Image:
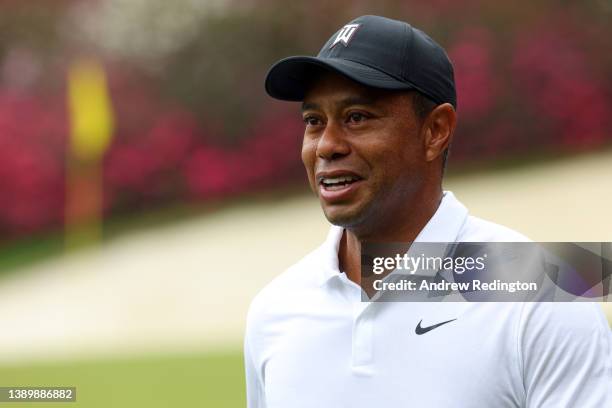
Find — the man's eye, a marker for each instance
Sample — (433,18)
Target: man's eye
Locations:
(311,121)
(356,117)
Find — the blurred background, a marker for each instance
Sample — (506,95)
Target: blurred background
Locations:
(149,188)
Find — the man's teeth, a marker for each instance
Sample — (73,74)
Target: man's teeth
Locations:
(338,182)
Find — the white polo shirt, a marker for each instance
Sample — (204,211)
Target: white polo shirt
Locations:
(311,343)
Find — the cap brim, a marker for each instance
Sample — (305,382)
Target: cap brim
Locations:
(290,78)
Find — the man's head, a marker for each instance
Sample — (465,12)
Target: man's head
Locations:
(367,151)
(379,107)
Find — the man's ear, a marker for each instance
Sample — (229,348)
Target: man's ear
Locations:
(439,128)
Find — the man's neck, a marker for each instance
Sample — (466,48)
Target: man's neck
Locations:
(349,251)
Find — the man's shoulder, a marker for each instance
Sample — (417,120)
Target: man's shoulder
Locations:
(479,230)
(298,277)
(559,319)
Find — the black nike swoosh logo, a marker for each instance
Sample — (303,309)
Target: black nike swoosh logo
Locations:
(422,330)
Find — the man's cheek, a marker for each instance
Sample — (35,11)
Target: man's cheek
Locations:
(308,159)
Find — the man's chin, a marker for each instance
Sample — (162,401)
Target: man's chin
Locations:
(343,217)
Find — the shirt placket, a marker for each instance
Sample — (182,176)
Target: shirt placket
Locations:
(362,358)
(362,344)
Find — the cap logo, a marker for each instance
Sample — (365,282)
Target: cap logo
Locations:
(345,34)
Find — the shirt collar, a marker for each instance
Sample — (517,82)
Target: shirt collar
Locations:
(443,226)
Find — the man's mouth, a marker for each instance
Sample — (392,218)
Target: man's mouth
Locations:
(338,182)
(338,186)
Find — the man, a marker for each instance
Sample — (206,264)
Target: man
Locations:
(379,111)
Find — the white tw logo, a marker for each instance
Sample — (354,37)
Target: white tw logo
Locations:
(345,35)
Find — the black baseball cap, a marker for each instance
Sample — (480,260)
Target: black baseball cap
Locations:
(374,51)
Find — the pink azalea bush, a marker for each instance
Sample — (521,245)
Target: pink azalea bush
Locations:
(536,86)
(570,98)
(32,138)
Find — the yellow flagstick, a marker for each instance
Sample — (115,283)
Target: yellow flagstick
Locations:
(91,130)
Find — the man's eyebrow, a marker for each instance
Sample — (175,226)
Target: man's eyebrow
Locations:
(309,106)
(349,101)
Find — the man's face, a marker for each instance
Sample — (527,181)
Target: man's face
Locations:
(362,149)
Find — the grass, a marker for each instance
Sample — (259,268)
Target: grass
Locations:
(213,380)
(29,250)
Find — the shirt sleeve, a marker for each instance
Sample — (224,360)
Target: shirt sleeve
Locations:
(255,397)
(565,352)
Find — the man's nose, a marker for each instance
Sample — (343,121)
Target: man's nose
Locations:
(333,144)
